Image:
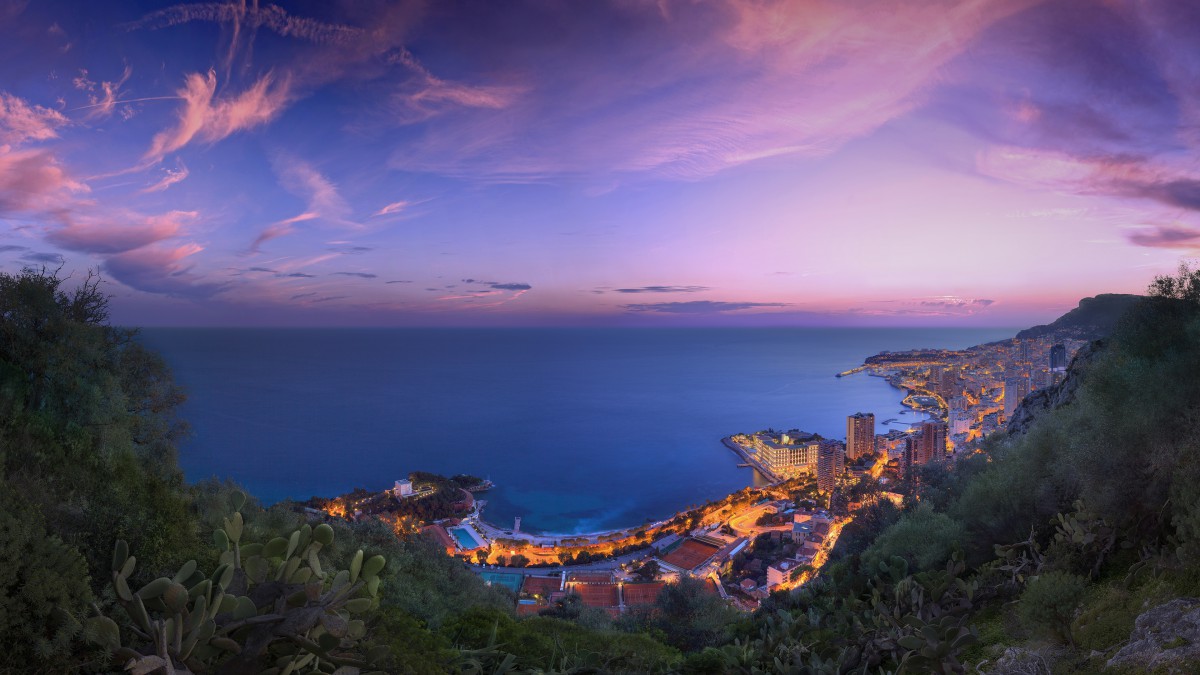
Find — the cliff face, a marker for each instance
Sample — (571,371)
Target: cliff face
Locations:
(1050,398)
(1093,319)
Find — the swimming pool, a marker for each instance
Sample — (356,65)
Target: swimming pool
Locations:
(465,538)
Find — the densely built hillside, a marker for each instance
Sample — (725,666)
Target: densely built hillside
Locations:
(1036,554)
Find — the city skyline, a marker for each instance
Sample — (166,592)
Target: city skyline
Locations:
(984,163)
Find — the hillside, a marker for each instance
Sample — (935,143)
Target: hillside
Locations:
(1093,319)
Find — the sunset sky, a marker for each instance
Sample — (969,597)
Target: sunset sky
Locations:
(600,163)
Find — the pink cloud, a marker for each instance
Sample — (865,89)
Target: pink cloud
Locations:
(210,118)
(104,102)
(105,237)
(323,201)
(21,122)
(161,270)
(279,229)
(708,90)
(33,180)
(1173,185)
(170,177)
(394,207)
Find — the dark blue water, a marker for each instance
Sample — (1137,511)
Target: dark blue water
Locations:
(580,429)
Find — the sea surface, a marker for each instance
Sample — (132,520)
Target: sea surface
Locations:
(580,429)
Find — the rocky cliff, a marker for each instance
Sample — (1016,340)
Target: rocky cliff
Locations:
(1050,398)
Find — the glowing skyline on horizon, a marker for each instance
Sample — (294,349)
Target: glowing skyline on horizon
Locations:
(977,163)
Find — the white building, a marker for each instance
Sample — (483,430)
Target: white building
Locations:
(787,460)
(403,489)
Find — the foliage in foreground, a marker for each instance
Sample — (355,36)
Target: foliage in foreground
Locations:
(268,608)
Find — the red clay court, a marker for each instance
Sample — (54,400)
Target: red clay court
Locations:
(642,594)
(596,595)
(541,586)
(690,554)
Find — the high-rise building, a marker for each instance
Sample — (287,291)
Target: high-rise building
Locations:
(1015,390)
(911,456)
(1058,357)
(1025,351)
(943,381)
(830,464)
(933,441)
(860,435)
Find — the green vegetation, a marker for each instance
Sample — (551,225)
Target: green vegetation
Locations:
(1052,541)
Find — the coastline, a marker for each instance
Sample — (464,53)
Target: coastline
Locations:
(747,461)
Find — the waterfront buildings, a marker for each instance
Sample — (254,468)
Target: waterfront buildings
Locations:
(860,435)
(787,455)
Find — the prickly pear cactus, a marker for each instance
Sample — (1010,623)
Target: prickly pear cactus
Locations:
(267,608)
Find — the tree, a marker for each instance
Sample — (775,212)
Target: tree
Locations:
(690,617)
(649,570)
(1184,285)
(88,422)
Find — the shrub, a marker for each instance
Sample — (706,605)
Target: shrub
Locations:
(1049,603)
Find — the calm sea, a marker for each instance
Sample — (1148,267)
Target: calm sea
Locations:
(580,429)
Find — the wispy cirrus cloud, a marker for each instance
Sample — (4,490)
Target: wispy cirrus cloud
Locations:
(716,86)
(323,201)
(103,97)
(170,177)
(243,17)
(389,209)
(22,122)
(210,118)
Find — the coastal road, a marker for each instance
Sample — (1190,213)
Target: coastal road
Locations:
(546,571)
(743,524)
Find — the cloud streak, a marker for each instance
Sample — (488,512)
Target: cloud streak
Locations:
(210,118)
(664,289)
(700,307)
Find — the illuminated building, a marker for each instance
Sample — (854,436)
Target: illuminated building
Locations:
(1015,390)
(860,435)
(932,441)
(788,459)
(830,463)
